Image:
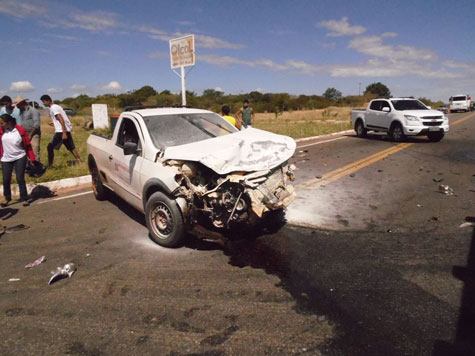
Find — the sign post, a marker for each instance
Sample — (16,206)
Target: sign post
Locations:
(182,54)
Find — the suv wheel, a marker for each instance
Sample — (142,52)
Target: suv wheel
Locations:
(360,129)
(164,220)
(435,136)
(396,132)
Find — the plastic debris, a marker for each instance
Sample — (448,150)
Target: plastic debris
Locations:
(389,230)
(466,224)
(36,262)
(16,228)
(62,272)
(437,180)
(445,189)
(419,205)
(14,280)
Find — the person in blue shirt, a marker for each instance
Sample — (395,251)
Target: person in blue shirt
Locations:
(8,108)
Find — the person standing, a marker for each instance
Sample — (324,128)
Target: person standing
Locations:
(245,115)
(30,119)
(8,108)
(62,127)
(15,149)
(225,110)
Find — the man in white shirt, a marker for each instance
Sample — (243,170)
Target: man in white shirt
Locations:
(62,127)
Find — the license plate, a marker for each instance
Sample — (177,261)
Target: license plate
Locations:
(434,128)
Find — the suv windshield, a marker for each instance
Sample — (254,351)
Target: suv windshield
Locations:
(180,129)
(459,98)
(406,104)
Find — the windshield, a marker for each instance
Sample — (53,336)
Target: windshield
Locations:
(459,98)
(402,105)
(180,129)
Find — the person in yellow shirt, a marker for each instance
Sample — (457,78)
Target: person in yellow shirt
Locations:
(225,110)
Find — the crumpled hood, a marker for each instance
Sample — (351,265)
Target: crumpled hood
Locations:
(248,150)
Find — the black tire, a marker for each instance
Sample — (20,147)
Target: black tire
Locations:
(164,220)
(396,132)
(435,136)
(360,130)
(100,192)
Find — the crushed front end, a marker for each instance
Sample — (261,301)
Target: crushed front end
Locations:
(243,198)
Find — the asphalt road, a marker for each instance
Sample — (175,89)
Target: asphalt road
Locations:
(382,267)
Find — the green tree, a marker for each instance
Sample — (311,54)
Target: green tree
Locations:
(332,94)
(378,89)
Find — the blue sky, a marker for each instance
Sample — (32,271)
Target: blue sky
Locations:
(421,48)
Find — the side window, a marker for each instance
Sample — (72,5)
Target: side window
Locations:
(376,105)
(385,104)
(128,133)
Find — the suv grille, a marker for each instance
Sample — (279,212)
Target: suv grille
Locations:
(431,117)
(437,123)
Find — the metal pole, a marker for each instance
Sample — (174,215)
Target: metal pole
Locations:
(183,88)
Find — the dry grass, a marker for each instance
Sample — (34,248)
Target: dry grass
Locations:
(305,123)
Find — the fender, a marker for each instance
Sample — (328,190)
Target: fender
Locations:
(153,185)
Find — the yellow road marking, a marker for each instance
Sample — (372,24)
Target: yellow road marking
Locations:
(353,167)
(459,121)
(364,162)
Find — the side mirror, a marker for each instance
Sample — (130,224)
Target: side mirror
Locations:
(130,148)
(386,109)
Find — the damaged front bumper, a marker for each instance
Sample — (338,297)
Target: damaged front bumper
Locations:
(239,197)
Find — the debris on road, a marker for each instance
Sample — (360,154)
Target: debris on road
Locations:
(437,180)
(420,205)
(434,218)
(389,230)
(380,170)
(445,189)
(62,272)
(14,280)
(16,228)
(318,177)
(352,175)
(466,224)
(36,262)
(469,221)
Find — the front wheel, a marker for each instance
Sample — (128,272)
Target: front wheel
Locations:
(435,136)
(397,133)
(164,220)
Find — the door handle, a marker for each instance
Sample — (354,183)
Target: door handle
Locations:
(110,158)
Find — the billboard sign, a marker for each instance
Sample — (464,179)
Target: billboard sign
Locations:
(182,51)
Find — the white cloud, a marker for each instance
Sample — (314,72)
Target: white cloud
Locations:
(92,21)
(225,61)
(329,45)
(54,90)
(468,66)
(374,46)
(341,27)
(64,37)
(22,86)
(219,89)
(260,90)
(21,9)
(392,68)
(78,87)
(214,42)
(113,86)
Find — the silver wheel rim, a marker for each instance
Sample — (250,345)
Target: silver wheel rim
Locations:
(161,220)
(359,129)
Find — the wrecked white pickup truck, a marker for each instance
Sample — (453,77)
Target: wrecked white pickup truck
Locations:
(186,167)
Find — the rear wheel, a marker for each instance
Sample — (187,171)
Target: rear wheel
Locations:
(100,192)
(360,129)
(396,132)
(164,220)
(435,136)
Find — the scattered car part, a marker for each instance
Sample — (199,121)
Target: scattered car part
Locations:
(36,262)
(62,272)
(445,189)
